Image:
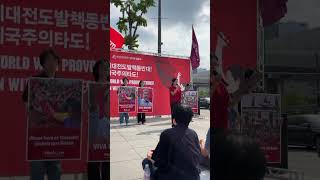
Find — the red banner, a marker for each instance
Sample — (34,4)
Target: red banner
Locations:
(234,38)
(127,99)
(261,114)
(116,39)
(157,73)
(78,31)
(99,123)
(54,119)
(145,100)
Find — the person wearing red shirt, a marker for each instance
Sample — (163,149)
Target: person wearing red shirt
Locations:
(175,97)
(220,102)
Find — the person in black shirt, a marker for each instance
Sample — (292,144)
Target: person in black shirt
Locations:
(141,117)
(49,61)
(177,154)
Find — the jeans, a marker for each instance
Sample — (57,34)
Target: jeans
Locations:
(38,169)
(173,106)
(124,116)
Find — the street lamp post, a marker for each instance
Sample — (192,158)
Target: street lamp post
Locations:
(159,27)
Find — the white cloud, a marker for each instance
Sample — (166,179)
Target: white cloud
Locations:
(114,13)
(176,37)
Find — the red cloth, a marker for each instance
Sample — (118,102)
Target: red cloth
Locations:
(194,57)
(220,102)
(176,98)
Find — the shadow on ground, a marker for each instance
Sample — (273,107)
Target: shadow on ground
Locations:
(150,132)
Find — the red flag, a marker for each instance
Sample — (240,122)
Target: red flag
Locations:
(272,10)
(194,57)
(116,39)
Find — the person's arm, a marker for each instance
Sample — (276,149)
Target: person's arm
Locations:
(160,154)
(60,117)
(204,151)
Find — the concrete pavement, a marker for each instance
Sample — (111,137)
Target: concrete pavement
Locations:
(129,145)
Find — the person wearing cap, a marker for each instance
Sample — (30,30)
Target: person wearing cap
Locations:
(49,60)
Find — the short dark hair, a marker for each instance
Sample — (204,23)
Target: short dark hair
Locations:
(248,73)
(47,52)
(214,72)
(140,83)
(173,80)
(183,115)
(125,78)
(237,157)
(95,70)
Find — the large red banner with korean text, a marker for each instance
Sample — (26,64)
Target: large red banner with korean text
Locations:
(145,100)
(54,119)
(76,29)
(157,73)
(233,38)
(127,99)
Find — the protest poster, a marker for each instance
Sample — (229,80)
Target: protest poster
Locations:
(126,99)
(145,100)
(190,99)
(261,120)
(155,71)
(54,119)
(78,30)
(99,122)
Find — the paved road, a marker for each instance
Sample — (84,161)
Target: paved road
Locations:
(304,160)
(129,145)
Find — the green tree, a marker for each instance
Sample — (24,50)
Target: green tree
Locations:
(132,18)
